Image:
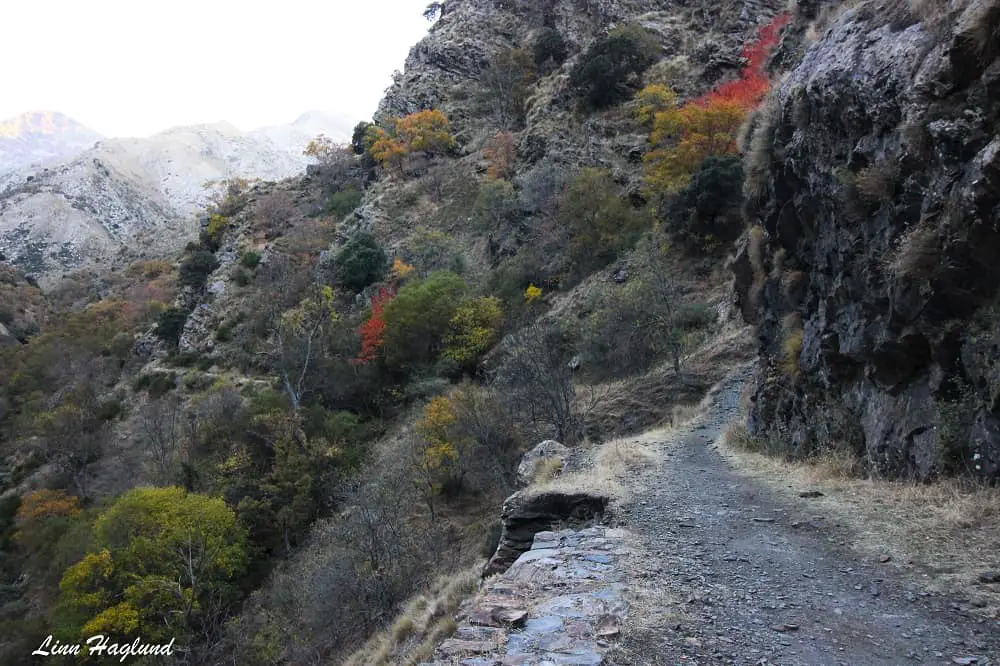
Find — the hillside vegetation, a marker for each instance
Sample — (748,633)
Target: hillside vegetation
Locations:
(269,445)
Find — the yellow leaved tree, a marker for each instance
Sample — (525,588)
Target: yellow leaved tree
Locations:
(427,132)
(438,451)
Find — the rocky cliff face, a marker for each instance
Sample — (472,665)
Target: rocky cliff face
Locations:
(875,177)
(701,42)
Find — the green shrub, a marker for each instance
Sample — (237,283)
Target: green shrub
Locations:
(602,224)
(156,383)
(225,332)
(184,360)
(211,237)
(344,202)
(359,138)
(109,410)
(431,250)
(550,47)
(361,262)
(170,325)
(709,207)
(250,259)
(693,316)
(611,69)
(496,205)
(242,277)
(418,319)
(196,268)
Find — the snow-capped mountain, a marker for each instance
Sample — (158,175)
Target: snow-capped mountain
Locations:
(140,195)
(41,136)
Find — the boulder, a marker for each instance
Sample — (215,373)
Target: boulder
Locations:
(525,514)
(543,455)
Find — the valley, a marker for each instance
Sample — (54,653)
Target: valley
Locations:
(623,332)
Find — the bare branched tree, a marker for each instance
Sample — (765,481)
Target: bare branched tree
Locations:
(161,425)
(536,372)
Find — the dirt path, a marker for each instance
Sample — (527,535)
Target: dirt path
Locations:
(731,578)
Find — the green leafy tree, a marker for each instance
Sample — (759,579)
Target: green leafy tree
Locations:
(297,334)
(359,139)
(550,49)
(277,478)
(361,262)
(708,209)
(344,201)
(170,325)
(418,319)
(196,268)
(164,565)
(601,223)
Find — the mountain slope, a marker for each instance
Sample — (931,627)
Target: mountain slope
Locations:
(139,195)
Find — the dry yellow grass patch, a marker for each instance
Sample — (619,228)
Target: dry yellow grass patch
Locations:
(612,471)
(421,625)
(943,534)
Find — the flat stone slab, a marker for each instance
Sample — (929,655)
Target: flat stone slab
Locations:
(559,604)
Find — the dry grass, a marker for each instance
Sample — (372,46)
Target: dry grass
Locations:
(613,468)
(547,469)
(661,397)
(760,147)
(778,260)
(653,611)
(794,285)
(984,29)
(756,242)
(877,183)
(944,534)
(918,254)
(793,335)
(421,625)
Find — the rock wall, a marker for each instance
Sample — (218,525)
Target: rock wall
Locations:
(874,177)
(562,602)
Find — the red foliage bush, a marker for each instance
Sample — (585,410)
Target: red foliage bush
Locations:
(372,332)
(754,83)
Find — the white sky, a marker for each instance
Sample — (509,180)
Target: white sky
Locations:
(136,67)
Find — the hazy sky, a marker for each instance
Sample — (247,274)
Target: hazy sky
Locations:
(135,67)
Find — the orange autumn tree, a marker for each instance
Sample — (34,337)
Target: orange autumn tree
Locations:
(684,136)
(427,132)
(500,153)
(42,504)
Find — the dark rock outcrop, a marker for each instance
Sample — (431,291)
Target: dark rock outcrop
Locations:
(874,283)
(525,514)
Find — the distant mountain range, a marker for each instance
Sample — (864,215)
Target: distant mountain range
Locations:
(71,199)
(41,136)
